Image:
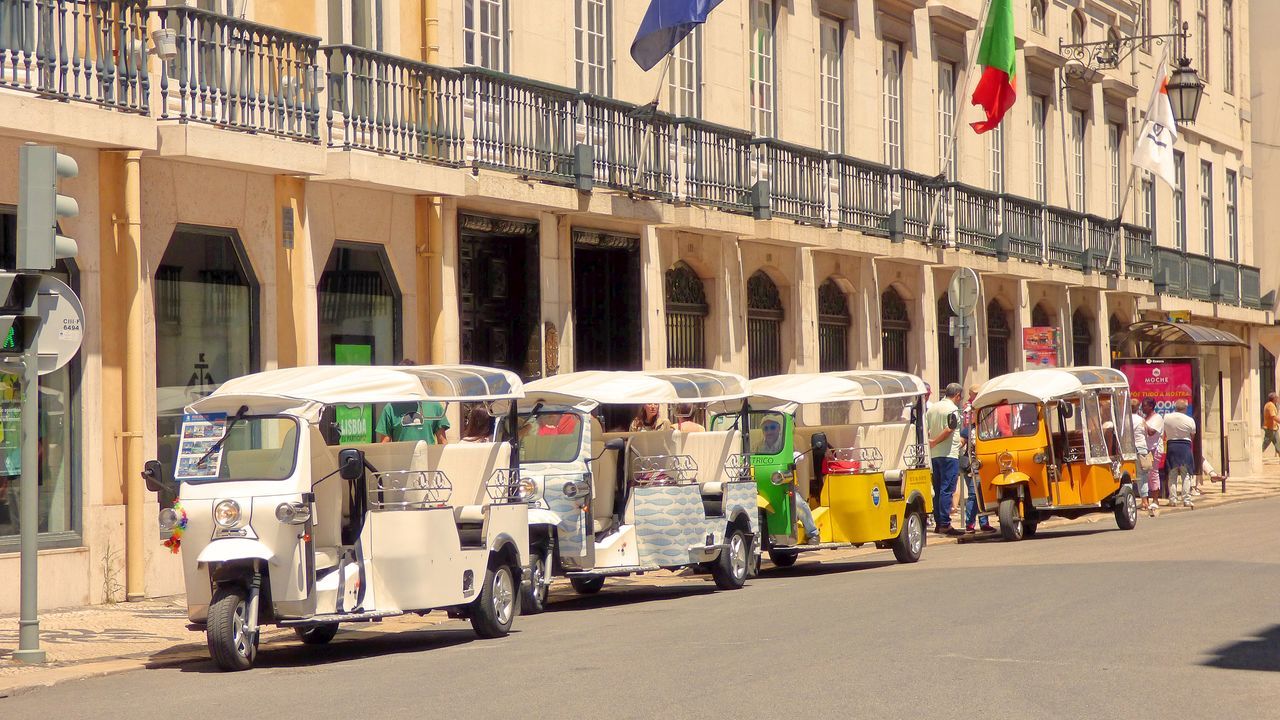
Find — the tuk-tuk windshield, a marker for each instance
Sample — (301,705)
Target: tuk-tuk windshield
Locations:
(767,436)
(1008,420)
(254,448)
(550,436)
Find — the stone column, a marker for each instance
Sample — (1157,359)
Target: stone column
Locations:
(804,325)
(653,316)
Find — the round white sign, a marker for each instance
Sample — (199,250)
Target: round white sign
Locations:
(962,293)
(61,325)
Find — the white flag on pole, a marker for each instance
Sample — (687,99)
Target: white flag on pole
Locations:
(1154,150)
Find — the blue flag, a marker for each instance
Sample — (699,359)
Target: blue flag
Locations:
(665,24)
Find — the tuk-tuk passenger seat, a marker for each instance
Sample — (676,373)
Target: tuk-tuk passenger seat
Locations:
(710,451)
(604,479)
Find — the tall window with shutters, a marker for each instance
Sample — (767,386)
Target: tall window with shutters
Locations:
(484,33)
(1039,149)
(1113,165)
(763,68)
(684,79)
(1228,47)
(1180,201)
(831,67)
(1202,37)
(1233,219)
(593,49)
(946,117)
(891,98)
(995,151)
(1078,122)
(1206,207)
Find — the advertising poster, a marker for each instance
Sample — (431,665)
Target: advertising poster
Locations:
(199,434)
(1165,380)
(355,423)
(1040,344)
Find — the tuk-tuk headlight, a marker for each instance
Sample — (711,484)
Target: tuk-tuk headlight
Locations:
(527,488)
(168,519)
(777,478)
(1006,460)
(226,514)
(571,489)
(1040,458)
(293,513)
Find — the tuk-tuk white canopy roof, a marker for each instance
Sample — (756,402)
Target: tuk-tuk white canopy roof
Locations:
(304,391)
(623,387)
(1045,384)
(785,393)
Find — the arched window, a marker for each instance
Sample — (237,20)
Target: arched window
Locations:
(686,305)
(1040,316)
(359,307)
(1077,27)
(895,326)
(1037,16)
(764,326)
(948,361)
(833,327)
(206,325)
(1081,338)
(998,334)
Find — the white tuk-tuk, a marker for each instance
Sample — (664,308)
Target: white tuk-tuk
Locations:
(629,502)
(280,522)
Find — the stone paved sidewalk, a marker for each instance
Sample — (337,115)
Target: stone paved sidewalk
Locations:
(105,639)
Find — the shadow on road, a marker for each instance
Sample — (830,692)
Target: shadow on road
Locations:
(347,646)
(823,568)
(1059,534)
(627,595)
(1261,652)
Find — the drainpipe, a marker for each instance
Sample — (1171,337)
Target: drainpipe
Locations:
(431,248)
(135,491)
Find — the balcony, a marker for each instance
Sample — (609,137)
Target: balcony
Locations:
(1066,238)
(800,181)
(864,191)
(977,218)
(1024,228)
(1137,252)
(1104,249)
(1196,277)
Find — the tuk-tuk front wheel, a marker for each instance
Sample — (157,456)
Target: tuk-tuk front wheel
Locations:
(231,645)
(494,611)
(533,597)
(909,544)
(1012,527)
(730,569)
(1126,509)
(783,559)
(316,634)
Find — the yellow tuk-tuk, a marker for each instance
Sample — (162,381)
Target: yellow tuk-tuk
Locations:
(1055,441)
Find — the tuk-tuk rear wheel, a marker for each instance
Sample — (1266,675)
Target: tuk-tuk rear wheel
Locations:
(909,545)
(231,645)
(1011,524)
(495,610)
(533,597)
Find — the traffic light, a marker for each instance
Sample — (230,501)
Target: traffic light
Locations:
(40,167)
(19,323)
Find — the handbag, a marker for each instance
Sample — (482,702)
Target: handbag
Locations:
(1144,462)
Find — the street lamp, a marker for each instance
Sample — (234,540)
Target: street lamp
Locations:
(1185,90)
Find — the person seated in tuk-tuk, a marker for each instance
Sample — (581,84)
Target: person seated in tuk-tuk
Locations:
(648,417)
(404,421)
(685,421)
(772,444)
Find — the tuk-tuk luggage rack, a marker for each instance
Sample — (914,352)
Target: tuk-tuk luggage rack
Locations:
(915,456)
(503,486)
(654,470)
(737,467)
(869,459)
(409,490)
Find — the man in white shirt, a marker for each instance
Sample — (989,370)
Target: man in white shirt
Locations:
(1140,442)
(1179,432)
(942,429)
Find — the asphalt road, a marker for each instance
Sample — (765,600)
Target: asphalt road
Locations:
(1176,619)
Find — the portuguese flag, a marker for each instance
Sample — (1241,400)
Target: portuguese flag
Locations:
(998,58)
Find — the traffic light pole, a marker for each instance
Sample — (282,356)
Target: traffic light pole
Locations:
(28,511)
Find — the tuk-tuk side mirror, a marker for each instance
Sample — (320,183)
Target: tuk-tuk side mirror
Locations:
(1066,410)
(615,444)
(153,476)
(350,463)
(820,444)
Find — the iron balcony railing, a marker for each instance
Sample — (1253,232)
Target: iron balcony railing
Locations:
(1170,271)
(1226,282)
(521,126)
(715,165)
(631,146)
(1024,228)
(864,193)
(1137,252)
(1066,238)
(240,74)
(1251,287)
(977,218)
(1199,277)
(1189,275)
(84,50)
(388,104)
(800,180)
(915,195)
(1104,245)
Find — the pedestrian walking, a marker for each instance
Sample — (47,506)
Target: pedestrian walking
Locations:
(1144,454)
(942,425)
(1179,433)
(1271,424)
(1153,426)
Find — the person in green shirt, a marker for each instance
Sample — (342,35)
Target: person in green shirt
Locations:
(406,421)
(942,428)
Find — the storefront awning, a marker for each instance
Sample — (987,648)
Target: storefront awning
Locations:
(1155,335)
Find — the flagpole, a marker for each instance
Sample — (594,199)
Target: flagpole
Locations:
(949,151)
(1133,169)
(648,127)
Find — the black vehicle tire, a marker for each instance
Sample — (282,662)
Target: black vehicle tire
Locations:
(227,630)
(533,597)
(909,545)
(783,559)
(1030,524)
(1126,509)
(730,569)
(587,585)
(495,610)
(316,634)
(1012,526)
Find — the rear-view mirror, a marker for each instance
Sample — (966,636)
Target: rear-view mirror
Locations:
(820,444)
(616,444)
(350,463)
(153,476)
(1066,410)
